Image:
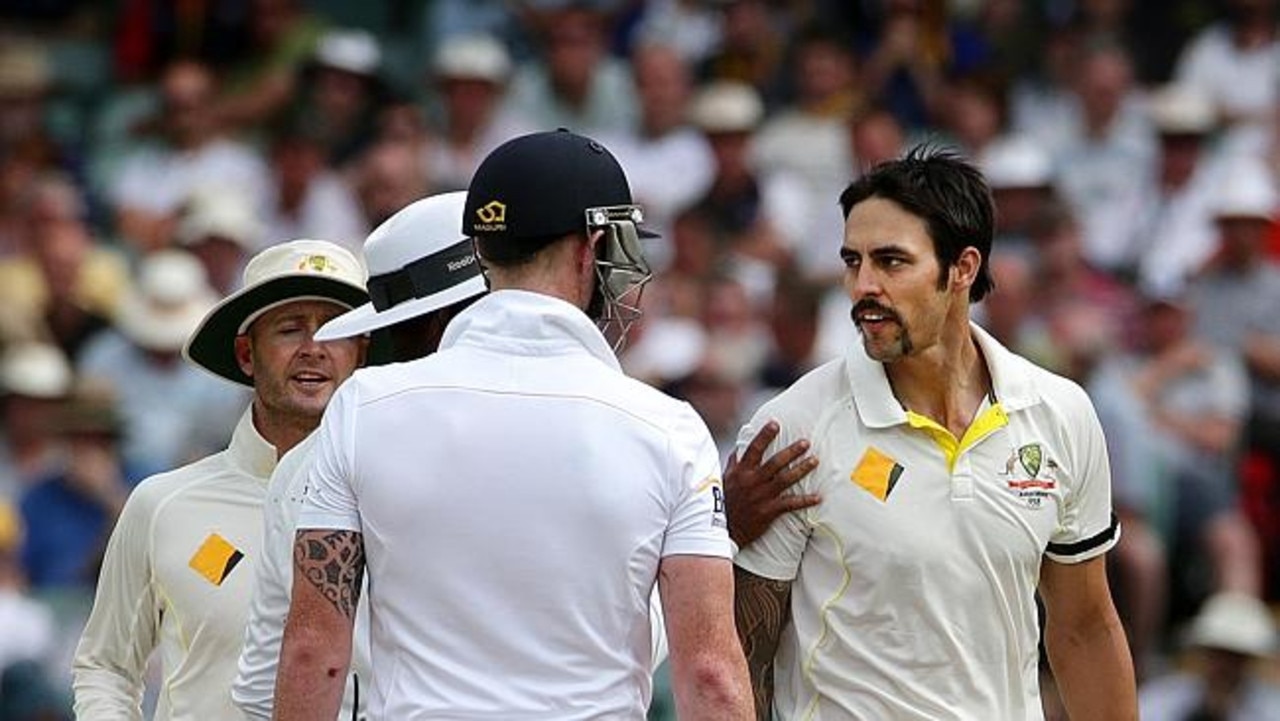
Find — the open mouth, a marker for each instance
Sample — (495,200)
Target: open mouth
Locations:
(309,379)
(874,319)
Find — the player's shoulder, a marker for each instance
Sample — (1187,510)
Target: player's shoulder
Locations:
(158,490)
(810,396)
(1064,397)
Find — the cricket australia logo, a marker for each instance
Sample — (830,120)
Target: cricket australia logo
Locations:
(1030,475)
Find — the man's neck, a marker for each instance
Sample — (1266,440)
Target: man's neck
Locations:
(282,431)
(946,383)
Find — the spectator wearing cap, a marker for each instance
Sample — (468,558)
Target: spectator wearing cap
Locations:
(180,563)
(663,140)
(69,512)
(34,378)
(151,183)
(761,216)
(1229,640)
(474,633)
(419,281)
(64,287)
(172,412)
(574,82)
(470,73)
(1174,232)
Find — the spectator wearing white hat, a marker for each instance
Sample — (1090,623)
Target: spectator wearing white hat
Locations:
(34,377)
(470,73)
(342,92)
(1231,635)
(1020,173)
(220,228)
(760,215)
(172,412)
(421,242)
(1174,234)
(1237,295)
(179,567)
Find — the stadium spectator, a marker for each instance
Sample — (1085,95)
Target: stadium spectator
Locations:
(191,151)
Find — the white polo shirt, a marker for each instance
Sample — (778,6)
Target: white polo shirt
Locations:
(913,582)
(516,493)
(176,577)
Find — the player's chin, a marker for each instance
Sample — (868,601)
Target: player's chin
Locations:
(313,395)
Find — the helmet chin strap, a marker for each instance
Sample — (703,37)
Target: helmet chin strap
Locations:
(621,271)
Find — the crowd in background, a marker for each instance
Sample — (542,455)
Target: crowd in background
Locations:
(148,148)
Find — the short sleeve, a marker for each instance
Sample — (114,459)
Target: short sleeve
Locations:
(1087,527)
(697,525)
(776,554)
(329,498)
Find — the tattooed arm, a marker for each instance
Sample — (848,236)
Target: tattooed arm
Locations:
(328,566)
(762,608)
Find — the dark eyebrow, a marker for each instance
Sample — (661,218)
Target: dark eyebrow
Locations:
(884,251)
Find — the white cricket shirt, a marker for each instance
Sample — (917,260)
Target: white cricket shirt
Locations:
(516,493)
(913,582)
(177,576)
(254,688)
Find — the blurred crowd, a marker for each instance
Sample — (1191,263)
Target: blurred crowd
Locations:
(148,148)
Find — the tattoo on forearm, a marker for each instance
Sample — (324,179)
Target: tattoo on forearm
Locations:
(333,561)
(761,608)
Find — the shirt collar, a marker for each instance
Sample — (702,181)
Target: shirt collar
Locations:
(879,408)
(249,451)
(527,323)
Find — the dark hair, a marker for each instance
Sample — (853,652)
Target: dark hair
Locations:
(946,192)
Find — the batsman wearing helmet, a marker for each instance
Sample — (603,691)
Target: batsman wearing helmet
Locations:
(515,496)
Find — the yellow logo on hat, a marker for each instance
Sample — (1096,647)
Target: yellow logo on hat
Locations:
(493,215)
(318,264)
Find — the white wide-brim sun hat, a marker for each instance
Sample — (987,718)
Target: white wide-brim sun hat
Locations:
(298,270)
(419,262)
(1236,622)
(170,297)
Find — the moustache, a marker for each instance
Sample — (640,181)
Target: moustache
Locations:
(870,306)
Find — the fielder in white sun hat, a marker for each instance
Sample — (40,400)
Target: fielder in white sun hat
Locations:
(294,271)
(419,262)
